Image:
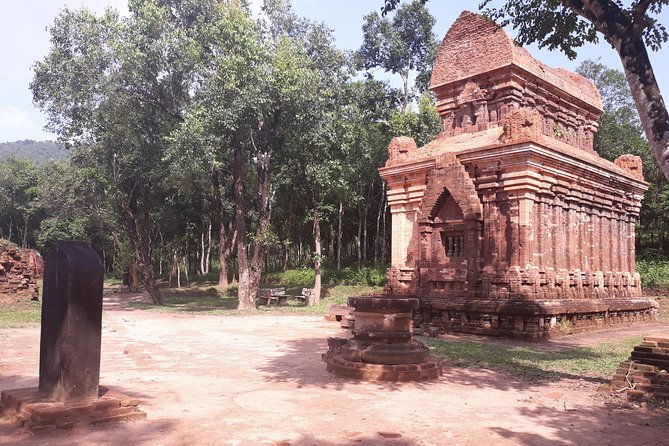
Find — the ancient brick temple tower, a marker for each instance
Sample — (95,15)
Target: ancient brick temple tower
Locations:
(509,222)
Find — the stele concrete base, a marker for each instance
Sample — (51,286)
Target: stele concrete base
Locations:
(31,409)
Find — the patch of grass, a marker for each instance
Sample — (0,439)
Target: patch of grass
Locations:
(193,300)
(112,281)
(600,361)
(212,300)
(338,294)
(19,312)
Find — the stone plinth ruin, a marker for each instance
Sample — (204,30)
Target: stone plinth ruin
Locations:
(509,222)
(19,269)
(382,347)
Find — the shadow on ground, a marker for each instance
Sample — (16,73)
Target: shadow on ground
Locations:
(296,365)
(128,433)
(578,426)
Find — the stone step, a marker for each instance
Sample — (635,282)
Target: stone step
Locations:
(638,366)
(657,350)
(651,359)
(658,380)
(649,393)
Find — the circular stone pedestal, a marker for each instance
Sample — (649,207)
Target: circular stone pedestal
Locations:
(429,369)
(383,348)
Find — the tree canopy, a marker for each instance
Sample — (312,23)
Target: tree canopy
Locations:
(203,139)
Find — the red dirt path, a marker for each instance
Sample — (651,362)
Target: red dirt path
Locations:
(259,380)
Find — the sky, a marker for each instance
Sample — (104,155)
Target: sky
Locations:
(24,40)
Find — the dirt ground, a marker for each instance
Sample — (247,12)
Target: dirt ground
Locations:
(260,380)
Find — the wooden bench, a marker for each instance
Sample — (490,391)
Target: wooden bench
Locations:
(267,296)
(306,294)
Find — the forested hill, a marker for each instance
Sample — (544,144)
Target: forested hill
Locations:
(36,151)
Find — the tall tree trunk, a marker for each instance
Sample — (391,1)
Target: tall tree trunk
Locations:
(364,237)
(174,268)
(377,233)
(339,234)
(207,259)
(246,300)
(178,272)
(224,244)
(138,232)
(223,251)
(260,245)
(316,295)
(405,91)
(24,241)
(185,262)
(358,239)
(263,158)
(201,253)
(625,32)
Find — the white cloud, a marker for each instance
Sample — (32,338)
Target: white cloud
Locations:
(17,124)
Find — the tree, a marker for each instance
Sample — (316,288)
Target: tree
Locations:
(630,30)
(75,206)
(423,126)
(620,132)
(117,89)
(310,64)
(19,206)
(401,46)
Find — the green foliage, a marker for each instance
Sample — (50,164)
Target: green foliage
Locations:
(600,361)
(401,45)
(422,126)
(654,271)
(19,205)
(372,276)
(620,133)
(19,313)
(620,129)
(53,229)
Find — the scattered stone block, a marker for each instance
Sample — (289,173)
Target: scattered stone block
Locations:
(646,373)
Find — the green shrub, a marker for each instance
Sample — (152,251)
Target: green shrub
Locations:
(654,272)
(371,276)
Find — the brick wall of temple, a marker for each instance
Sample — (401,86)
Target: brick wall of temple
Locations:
(509,220)
(17,272)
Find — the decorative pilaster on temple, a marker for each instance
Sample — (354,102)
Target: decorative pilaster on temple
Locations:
(545,226)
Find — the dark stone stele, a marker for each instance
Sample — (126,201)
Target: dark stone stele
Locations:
(69,393)
(71,323)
